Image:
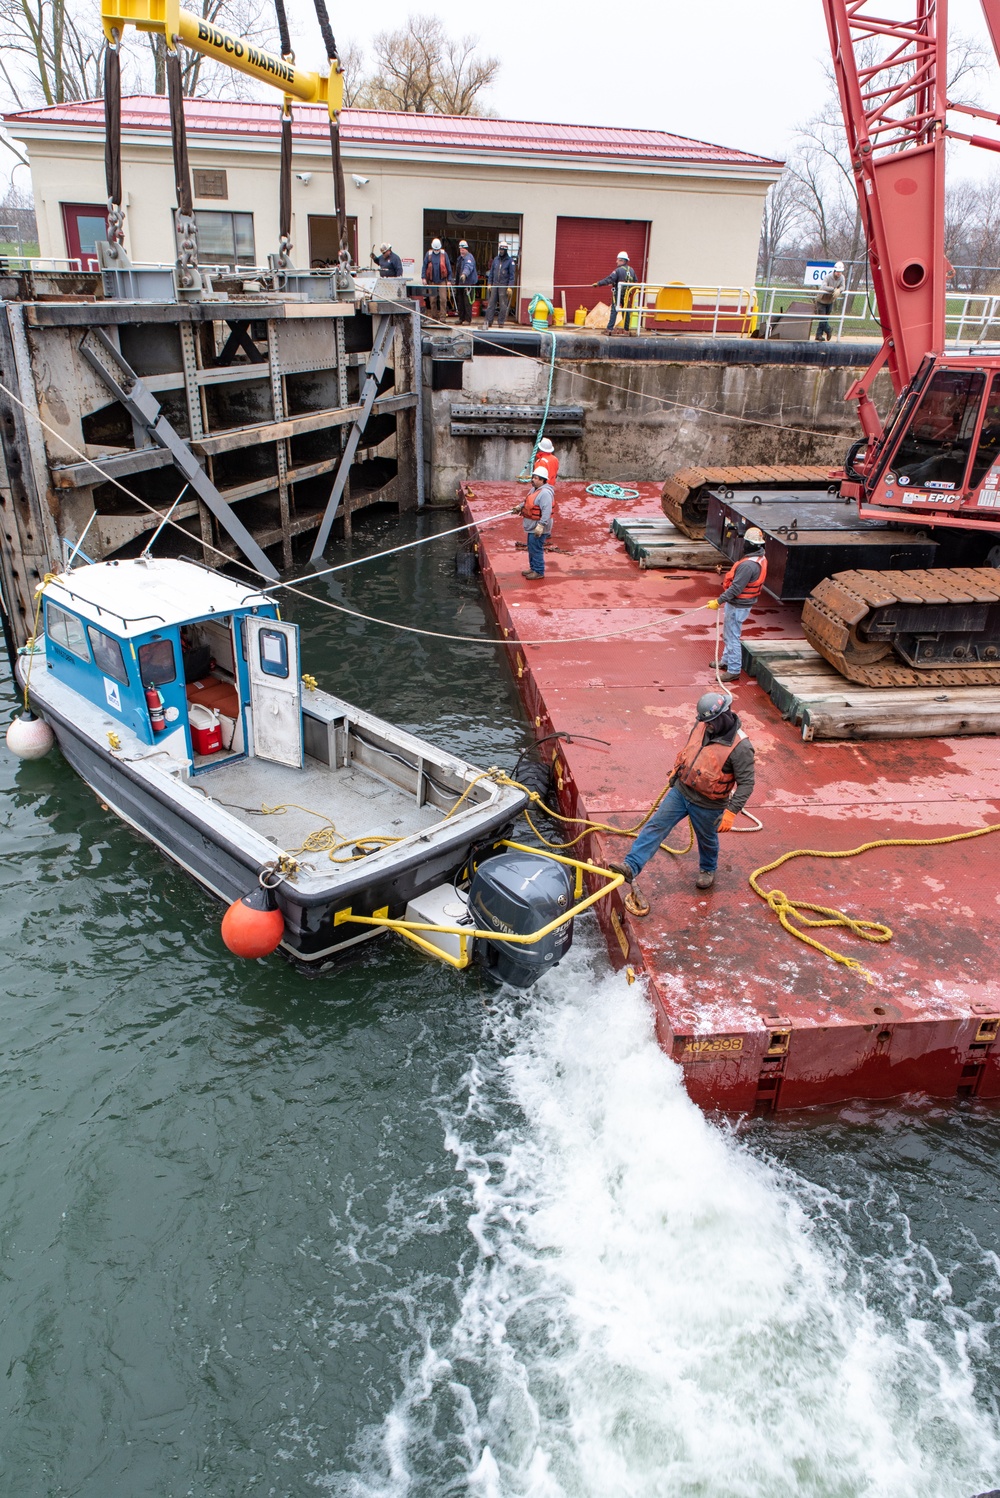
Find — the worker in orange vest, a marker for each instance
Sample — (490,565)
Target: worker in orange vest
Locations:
(546,458)
(713,780)
(740,591)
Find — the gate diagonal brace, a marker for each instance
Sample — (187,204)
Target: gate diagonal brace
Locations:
(140,402)
(374,370)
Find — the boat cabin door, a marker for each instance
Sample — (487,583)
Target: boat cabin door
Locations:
(275,690)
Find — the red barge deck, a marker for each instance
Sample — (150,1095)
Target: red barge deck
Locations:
(757,1019)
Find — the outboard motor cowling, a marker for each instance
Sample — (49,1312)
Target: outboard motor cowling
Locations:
(519,893)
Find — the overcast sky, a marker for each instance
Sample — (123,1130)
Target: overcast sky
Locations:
(727,71)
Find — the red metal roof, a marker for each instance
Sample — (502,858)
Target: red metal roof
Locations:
(378,127)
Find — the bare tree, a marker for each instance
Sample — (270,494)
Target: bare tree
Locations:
(783,214)
(352,61)
(419,69)
(49,51)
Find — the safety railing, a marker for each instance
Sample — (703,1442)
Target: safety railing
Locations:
(792,312)
(678,307)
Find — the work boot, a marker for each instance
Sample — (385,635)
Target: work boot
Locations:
(729,676)
(534,577)
(705,880)
(623,869)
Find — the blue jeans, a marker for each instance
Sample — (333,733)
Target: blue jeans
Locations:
(673,809)
(733,621)
(536,553)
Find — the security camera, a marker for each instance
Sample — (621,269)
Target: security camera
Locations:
(361,181)
(305,177)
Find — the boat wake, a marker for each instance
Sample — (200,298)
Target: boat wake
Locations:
(653,1305)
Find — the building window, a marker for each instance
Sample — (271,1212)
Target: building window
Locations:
(225,238)
(210,183)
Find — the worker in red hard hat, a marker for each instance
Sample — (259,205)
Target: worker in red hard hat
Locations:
(713,780)
(741,588)
(536,514)
(619,280)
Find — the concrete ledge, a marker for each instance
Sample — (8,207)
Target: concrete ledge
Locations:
(509,342)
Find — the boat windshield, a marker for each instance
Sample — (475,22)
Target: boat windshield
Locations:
(934,448)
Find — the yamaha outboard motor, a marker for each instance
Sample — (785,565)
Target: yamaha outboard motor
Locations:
(519,894)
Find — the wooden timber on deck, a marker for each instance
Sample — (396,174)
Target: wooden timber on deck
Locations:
(653,541)
(810,693)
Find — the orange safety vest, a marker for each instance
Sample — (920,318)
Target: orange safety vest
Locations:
(700,766)
(550,463)
(533,511)
(751,591)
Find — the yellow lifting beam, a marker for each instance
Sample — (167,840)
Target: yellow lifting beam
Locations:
(168,19)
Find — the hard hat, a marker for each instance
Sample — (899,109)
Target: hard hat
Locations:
(503,249)
(463,244)
(385,245)
(541,473)
(839,265)
(622,254)
(713,705)
(753,537)
(435,244)
(545,446)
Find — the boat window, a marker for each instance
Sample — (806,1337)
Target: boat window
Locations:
(934,449)
(157,666)
(107,654)
(66,630)
(988,446)
(273,653)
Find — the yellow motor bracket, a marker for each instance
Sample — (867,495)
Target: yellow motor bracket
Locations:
(410,929)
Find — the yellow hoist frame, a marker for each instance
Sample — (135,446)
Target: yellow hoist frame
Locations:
(467,934)
(167,19)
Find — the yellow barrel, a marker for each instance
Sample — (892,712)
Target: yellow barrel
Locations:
(558,316)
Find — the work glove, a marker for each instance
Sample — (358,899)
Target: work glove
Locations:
(517,510)
(713,603)
(728,818)
(539,530)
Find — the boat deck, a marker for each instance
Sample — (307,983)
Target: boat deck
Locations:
(355,801)
(758,1020)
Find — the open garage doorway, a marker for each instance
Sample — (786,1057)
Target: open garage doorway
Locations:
(324,243)
(485,233)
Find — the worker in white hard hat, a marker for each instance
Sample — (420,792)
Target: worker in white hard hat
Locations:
(831,289)
(466,281)
(741,588)
(619,279)
(536,517)
(436,274)
(546,458)
(389,263)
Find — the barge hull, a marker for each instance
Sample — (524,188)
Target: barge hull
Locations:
(758,1021)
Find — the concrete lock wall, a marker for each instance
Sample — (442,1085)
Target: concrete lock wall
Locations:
(643,421)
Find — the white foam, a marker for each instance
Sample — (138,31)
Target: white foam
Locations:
(651,1310)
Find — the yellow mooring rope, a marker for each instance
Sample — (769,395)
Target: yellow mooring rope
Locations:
(788,910)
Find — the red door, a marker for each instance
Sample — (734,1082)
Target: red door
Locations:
(84,224)
(586,250)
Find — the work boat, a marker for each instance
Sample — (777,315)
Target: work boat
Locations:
(176,694)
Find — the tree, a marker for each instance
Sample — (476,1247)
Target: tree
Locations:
(419,69)
(203,77)
(47,52)
(780,223)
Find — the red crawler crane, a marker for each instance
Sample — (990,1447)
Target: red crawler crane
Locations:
(921,603)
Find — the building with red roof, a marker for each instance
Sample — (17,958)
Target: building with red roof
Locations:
(565,198)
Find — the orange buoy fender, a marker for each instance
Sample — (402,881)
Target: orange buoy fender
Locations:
(253,925)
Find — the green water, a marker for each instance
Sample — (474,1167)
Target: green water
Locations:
(389,1232)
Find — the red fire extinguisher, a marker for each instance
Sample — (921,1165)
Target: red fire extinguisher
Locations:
(157,717)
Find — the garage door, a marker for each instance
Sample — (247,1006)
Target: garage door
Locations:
(586,250)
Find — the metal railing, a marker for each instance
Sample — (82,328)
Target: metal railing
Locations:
(677,307)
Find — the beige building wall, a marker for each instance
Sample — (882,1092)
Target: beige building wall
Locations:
(704,225)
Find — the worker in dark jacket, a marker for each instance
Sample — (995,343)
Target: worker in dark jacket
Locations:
(622,276)
(741,589)
(436,274)
(499,278)
(713,780)
(466,279)
(389,263)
